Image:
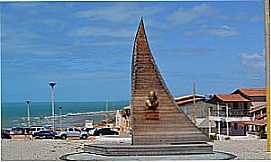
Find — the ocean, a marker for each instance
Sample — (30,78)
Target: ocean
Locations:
(15,114)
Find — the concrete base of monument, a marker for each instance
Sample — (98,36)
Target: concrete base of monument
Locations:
(126,152)
(86,156)
(150,150)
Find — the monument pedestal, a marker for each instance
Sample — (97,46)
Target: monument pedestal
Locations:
(150,150)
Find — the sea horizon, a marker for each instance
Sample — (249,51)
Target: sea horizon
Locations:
(14,113)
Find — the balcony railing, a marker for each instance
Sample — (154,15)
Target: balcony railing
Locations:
(232,113)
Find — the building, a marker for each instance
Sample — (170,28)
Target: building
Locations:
(89,124)
(122,120)
(257,96)
(258,122)
(196,108)
(229,111)
(239,113)
(193,106)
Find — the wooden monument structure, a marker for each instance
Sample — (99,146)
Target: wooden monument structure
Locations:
(162,122)
(159,128)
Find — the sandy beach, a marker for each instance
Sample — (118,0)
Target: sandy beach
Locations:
(54,149)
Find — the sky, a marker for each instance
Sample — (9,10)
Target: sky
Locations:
(86,47)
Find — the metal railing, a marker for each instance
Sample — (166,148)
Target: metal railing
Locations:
(232,113)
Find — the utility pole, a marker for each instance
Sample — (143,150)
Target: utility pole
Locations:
(267,70)
(60,117)
(106,106)
(52,85)
(28,112)
(194,103)
(106,109)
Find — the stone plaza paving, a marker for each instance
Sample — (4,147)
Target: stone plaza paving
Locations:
(92,157)
(253,149)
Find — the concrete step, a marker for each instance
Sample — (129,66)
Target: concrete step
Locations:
(147,150)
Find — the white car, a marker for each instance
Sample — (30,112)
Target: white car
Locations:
(72,132)
(90,131)
(35,129)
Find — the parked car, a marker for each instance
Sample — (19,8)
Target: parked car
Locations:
(90,131)
(72,132)
(5,134)
(44,134)
(34,129)
(17,131)
(105,131)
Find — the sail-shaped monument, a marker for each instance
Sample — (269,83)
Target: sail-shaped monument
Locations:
(158,127)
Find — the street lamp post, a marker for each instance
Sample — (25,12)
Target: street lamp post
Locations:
(60,117)
(52,85)
(28,112)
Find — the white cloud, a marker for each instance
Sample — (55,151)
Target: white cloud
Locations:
(222,31)
(96,32)
(253,64)
(254,61)
(182,16)
(118,12)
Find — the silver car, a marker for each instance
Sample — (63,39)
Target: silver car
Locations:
(72,132)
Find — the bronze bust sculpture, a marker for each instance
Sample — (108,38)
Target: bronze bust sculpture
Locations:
(152,100)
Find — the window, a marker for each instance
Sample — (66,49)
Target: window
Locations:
(246,105)
(77,130)
(235,105)
(235,125)
(223,124)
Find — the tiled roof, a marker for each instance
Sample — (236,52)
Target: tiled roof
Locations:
(181,102)
(231,98)
(188,97)
(252,91)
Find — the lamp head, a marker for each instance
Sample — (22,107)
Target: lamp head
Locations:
(52,84)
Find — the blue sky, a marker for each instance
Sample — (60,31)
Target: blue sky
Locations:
(85,47)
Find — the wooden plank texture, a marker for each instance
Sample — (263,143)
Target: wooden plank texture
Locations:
(165,124)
